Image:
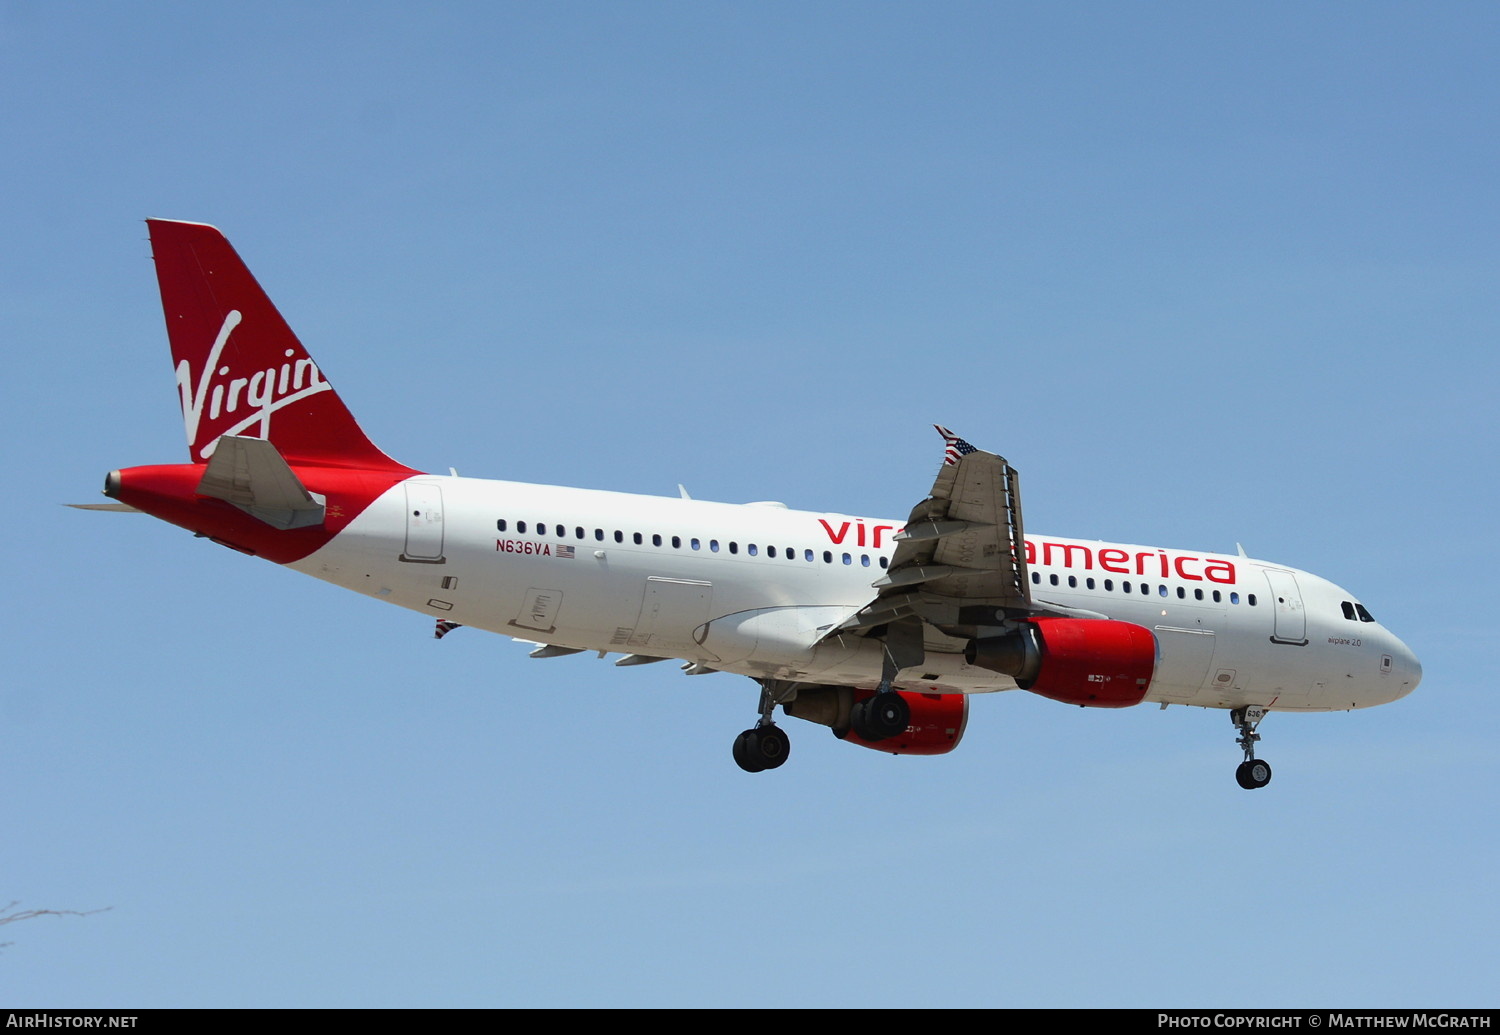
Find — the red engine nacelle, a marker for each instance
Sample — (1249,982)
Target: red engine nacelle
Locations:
(935,728)
(1089,662)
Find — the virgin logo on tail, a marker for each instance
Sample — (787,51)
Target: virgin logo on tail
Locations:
(257,395)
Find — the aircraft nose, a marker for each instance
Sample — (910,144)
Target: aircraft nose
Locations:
(1407,666)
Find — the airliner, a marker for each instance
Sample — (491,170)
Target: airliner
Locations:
(879,628)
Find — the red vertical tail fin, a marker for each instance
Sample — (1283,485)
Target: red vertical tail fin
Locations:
(240,369)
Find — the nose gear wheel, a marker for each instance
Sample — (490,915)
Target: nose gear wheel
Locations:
(1253,773)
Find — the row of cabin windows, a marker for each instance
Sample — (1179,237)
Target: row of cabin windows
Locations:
(713,545)
(1145,588)
(1353,610)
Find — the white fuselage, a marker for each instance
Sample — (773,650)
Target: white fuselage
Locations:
(753,588)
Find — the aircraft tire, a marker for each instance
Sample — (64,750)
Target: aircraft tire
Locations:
(1253,774)
(761,748)
(1258,773)
(743,756)
(772,746)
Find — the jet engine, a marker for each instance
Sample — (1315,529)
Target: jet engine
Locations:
(1092,663)
(935,727)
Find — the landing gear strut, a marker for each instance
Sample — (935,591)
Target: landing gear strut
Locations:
(765,745)
(1253,772)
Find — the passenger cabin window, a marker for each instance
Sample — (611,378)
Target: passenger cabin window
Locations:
(500,525)
(520,526)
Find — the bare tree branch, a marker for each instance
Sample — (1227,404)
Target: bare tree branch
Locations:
(10,914)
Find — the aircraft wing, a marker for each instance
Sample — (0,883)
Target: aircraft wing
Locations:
(961,560)
(965,541)
(959,568)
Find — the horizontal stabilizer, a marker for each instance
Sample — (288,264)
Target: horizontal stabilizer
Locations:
(118,508)
(250,474)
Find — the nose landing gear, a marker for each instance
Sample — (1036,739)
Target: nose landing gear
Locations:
(1253,773)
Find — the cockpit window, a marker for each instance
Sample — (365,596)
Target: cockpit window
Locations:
(1348,610)
(1364,616)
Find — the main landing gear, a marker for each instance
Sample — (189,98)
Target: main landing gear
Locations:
(1253,773)
(765,745)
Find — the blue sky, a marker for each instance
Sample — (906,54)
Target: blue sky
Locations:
(1206,274)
